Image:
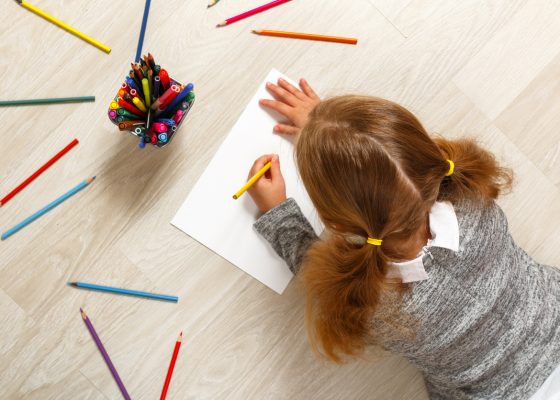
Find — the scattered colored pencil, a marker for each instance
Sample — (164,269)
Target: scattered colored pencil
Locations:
(56,100)
(65,26)
(111,289)
(171,366)
(253,179)
(252,12)
(45,209)
(104,354)
(308,36)
(212,3)
(30,179)
(142,31)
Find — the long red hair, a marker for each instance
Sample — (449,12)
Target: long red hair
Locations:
(371,170)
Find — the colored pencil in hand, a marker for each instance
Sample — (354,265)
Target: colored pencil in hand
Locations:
(254,11)
(142,31)
(104,354)
(45,209)
(64,26)
(30,179)
(171,366)
(129,292)
(253,179)
(55,100)
(308,36)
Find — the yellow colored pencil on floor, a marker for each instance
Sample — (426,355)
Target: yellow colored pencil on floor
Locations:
(64,26)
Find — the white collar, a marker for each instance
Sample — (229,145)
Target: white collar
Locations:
(444,228)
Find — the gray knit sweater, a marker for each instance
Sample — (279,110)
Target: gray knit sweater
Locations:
(486,321)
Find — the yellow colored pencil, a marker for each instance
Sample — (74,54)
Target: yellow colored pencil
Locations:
(64,26)
(253,179)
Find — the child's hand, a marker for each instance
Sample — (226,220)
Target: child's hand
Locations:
(270,189)
(292,103)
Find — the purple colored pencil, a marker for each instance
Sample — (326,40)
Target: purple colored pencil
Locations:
(104,354)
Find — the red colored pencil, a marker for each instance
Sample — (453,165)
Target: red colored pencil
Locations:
(38,172)
(252,12)
(171,366)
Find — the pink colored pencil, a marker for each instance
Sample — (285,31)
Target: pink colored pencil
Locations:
(252,12)
(38,172)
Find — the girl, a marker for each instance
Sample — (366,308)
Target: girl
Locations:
(418,257)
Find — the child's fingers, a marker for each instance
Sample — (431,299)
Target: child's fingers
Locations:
(258,164)
(282,94)
(277,106)
(307,89)
(275,172)
(286,129)
(291,88)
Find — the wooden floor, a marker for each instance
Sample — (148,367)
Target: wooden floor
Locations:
(489,69)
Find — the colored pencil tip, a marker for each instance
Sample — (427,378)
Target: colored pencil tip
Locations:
(19,1)
(223,23)
(81,311)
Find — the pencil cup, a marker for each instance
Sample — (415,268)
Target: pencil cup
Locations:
(150,104)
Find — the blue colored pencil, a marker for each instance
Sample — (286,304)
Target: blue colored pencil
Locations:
(129,292)
(47,208)
(142,31)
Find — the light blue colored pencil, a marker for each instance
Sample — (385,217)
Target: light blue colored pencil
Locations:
(129,292)
(47,208)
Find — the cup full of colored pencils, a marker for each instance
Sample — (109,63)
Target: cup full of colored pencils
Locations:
(150,104)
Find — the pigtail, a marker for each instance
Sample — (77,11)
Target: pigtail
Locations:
(343,284)
(477,174)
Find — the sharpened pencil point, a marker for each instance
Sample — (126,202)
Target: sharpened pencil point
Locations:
(72,284)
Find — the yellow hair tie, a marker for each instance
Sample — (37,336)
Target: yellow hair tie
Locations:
(451,168)
(375,242)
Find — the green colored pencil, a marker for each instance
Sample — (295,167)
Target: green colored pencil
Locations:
(32,102)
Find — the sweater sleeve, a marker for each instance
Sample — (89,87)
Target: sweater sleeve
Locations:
(288,231)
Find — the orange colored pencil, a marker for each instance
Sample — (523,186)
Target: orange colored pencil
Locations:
(171,366)
(308,36)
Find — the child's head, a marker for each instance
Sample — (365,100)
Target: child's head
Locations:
(372,170)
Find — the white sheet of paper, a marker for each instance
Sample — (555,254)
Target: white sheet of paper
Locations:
(212,217)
